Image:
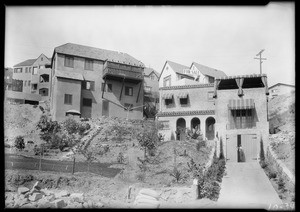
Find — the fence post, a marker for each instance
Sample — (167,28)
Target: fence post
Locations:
(73,167)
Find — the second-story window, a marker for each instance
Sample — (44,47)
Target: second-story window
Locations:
(26,70)
(29,69)
(28,82)
(69,61)
(167,81)
(210,95)
(88,64)
(68,99)
(35,70)
(152,77)
(147,89)
(128,91)
(88,85)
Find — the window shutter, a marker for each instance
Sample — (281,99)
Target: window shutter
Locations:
(92,85)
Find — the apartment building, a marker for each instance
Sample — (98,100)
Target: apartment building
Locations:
(92,82)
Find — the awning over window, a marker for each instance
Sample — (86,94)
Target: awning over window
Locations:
(182,95)
(167,96)
(237,104)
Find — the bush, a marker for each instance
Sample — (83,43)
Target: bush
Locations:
(71,125)
(263,164)
(262,152)
(141,176)
(221,149)
(19,143)
(176,174)
(120,158)
(272,175)
(281,184)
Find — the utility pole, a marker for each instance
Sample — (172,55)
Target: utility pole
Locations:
(260,59)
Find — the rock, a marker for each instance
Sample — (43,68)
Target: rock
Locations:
(37,185)
(22,190)
(46,204)
(62,194)
(50,197)
(90,203)
(85,205)
(142,196)
(59,203)
(98,205)
(20,202)
(47,192)
(35,196)
(149,192)
(77,197)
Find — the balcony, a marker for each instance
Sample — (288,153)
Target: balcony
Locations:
(119,72)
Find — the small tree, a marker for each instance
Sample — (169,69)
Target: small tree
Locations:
(262,152)
(19,143)
(148,139)
(89,156)
(221,149)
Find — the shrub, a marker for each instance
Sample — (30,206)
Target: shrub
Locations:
(47,128)
(19,143)
(71,125)
(176,174)
(281,184)
(262,152)
(263,164)
(272,175)
(221,149)
(120,158)
(141,176)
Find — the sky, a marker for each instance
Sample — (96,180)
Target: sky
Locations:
(226,38)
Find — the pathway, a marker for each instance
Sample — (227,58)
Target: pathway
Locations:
(246,186)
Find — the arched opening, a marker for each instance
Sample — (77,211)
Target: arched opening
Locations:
(180,129)
(195,124)
(210,128)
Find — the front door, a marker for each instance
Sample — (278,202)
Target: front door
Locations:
(231,148)
(249,143)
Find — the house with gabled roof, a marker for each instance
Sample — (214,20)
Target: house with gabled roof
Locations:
(34,74)
(92,82)
(280,89)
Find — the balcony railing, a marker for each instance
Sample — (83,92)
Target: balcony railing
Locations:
(117,72)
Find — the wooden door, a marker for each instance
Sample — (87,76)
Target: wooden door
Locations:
(250,146)
(231,148)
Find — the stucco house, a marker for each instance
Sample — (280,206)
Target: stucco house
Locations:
(94,82)
(241,114)
(280,89)
(35,76)
(186,99)
(151,92)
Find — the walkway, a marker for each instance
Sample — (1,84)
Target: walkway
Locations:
(246,186)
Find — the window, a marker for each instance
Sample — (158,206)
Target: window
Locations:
(25,82)
(128,91)
(87,102)
(148,89)
(69,61)
(42,59)
(26,69)
(34,87)
(20,69)
(88,64)
(68,99)
(167,81)
(165,125)
(242,119)
(29,70)
(152,77)
(35,70)
(168,101)
(157,100)
(183,101)
(128,106)
(210,95)
(28,82)
(41,67)
(88,85)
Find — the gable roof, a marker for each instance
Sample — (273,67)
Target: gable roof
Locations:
(30,62)
(26,63)
(277,84)
(148,71)
(205,70)
(178,68)
(98,54)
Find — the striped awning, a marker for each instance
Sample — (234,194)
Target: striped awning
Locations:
(236,104)
(167,96)
(182,95)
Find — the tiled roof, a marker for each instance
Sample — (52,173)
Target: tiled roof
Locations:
(178,68)
(69,75)
(26,63)
(186,113)
(242,76)
(97,54)
(209,71)
(187,86)
(148,71)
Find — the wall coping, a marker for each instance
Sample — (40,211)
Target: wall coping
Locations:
(186,113)
(176,87)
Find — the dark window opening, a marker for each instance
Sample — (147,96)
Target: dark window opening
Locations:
(183,101)
(128,106)
(242,119)
(168,101)
(87,102)
(44,78)
(253,83)
(228,84)
(88,85)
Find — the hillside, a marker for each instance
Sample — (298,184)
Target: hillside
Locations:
(282,118)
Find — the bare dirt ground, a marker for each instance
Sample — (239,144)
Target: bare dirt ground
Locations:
(155,174)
